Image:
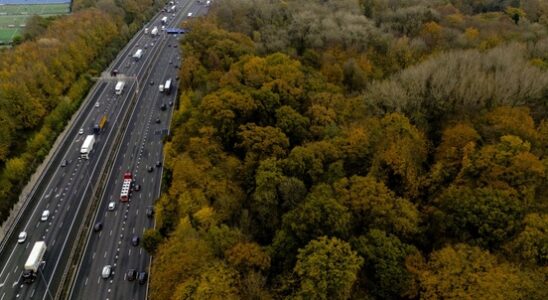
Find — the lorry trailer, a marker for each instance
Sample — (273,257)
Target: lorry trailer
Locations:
(98,127)
(34,261)
(119,87)
(138,54)
(87,146)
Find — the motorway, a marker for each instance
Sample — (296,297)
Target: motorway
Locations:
(66,191)
(141,147)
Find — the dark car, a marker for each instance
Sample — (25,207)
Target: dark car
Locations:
(142,277)
(114,72)
(131,274)
(163,106)
(98,226)
(152,82)
(158,163)
(150,168)
(168,45)
(137,187)
(150,211)
(64,163)
(158,121)
(135,240)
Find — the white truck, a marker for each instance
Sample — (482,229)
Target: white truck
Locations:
(119,87)
(164,20)
(167,86)
(154,31)
(87,146)
(138,54)
(34,261)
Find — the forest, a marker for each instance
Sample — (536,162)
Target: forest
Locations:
(358,149)
(44,79)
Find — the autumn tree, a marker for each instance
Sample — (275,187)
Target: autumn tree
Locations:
(462,271)
(373,205)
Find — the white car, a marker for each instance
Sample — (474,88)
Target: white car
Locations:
(96,104)
(189,15)
(106,271)
(112,205)
(22,237)
(81,131)
(45,215)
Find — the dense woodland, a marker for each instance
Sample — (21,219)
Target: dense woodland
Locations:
(44,79)
(371,149)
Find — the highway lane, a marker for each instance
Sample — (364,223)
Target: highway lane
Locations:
(61,196)
(58,191)
(141,147)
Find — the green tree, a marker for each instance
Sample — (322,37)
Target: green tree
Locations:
(384,257)
(320,214)
(487,216)
(151,240)
(327,269)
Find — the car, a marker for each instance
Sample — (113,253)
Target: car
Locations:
(158,163)
(158,120)
(107,271)
(111,205)
(152,82)
(131,274)
(45,215)
(142,277)
(150,211)
(98,226)
(176,66)
(189,14)
(81,131)
(96,104)
(170,61)
(163,106)
(114,72)
(150,168)
(169,45)
(64,163)
(137,187)
(151,44)
(170,103)
(135,240)
(22,237)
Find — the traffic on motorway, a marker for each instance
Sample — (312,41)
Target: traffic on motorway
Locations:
(118,132)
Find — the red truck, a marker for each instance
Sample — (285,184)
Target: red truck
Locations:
(126,187)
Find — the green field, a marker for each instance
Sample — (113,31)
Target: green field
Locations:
(13,17)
